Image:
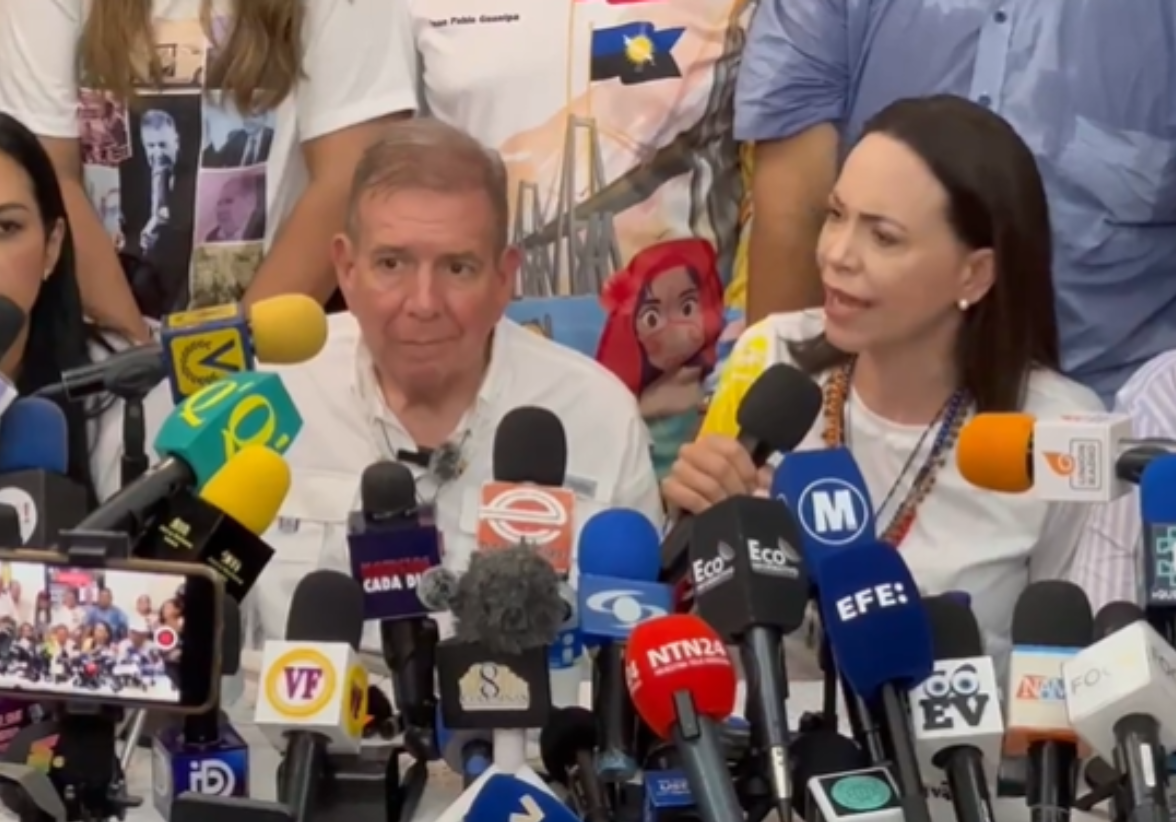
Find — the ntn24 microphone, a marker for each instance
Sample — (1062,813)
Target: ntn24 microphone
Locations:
(610,608)
(1130,672)
(958,705)
(826,492)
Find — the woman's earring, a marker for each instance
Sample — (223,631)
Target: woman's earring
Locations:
(963,304)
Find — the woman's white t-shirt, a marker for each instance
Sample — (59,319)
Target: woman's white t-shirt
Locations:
(987,544)
(188,187)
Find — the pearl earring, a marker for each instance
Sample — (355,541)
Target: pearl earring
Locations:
(963,304)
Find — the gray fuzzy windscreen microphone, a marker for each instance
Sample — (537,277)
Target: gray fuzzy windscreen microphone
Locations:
(437,589)
(509,601)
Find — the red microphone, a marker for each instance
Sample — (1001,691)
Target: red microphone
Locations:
(683,683)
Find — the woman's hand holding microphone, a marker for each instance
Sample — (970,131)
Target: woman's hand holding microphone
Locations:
(708,471)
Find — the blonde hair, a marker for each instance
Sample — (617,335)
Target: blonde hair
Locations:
(257,64)
(424,153)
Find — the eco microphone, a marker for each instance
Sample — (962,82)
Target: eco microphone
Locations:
(683,684)
(751,586)
(390,548)
(956,711)
(312,696)
(1077,458)
(494,673)
(34,462)
(526,502)
(1052,622)
(200,347)
(775,415)
(507,799)
(619,560)
(881,640)
(203,753)
(1117,693)
(1158,509)
(567,746)
(199,437)
(221,526)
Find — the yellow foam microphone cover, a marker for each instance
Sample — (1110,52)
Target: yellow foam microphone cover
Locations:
(250,487)
(288,329)
(994,452)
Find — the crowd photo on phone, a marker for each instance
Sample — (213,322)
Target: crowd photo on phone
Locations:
(90,632)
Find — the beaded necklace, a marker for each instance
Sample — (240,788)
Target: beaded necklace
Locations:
(950,420)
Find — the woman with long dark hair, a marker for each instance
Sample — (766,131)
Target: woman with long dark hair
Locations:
(935,258)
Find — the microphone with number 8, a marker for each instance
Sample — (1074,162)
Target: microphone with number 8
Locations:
(1118,692)
(683,684)
(525,502)
(1052,622)
(751,586)
(199,437)
(881,640)
(956,711)
(619,560)
(313,688)
(392,544)
(199,347)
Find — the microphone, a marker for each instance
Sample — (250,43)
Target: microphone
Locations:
(839,783)
(221,527)
(507,799)
(198,437)
(1076,458)
(34,463)
(1051,623)
(525,502)
(668,797)
(200,347)
(881,640)
(775,415)
(390,548)
(437,589)
(203,754)
(566,746)
(956,711)
(1116,692)
(493,674)
(1159,561)
(750,585)
(683,684)
(313,694)
(620,557)
(467,753)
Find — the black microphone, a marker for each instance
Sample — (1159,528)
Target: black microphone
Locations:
(774,416)
(751,586)
(567,745)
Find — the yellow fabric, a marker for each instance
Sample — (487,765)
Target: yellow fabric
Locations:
(753,353)
(736,294)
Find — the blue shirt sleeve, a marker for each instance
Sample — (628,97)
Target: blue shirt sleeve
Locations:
(795,71)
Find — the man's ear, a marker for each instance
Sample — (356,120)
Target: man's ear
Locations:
(343,258)
(508,272)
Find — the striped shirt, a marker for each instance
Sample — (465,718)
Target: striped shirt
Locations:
(1108,554)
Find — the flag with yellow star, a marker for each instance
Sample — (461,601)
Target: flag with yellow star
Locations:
(634,53)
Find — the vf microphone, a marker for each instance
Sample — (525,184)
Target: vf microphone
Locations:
(313,695)
(391,548)
(221,527)
(1158,508)
(1117,692)
(751,586)
(34,462)
(1051,623)
(525,502)
(956,711)
(567,746)
(619,559)
(683,684)
(201,346)
(881,640)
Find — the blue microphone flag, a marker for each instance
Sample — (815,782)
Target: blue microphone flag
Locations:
(507,799)
(874,619)
(610,608)
(1158,509)
(34,437)
(388,560)
(828,496)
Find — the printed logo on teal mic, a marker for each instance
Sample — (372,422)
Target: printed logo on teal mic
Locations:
(861,793)
(211,426)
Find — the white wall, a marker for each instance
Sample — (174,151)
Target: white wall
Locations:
(126,586)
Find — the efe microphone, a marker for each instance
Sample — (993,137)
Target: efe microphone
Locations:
(956,711)
(1052,622)
(1117,692)
(750,584)
(683,683)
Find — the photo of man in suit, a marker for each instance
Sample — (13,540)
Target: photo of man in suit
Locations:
(245,146)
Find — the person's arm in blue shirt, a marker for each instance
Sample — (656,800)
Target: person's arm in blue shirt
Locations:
(791,94)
